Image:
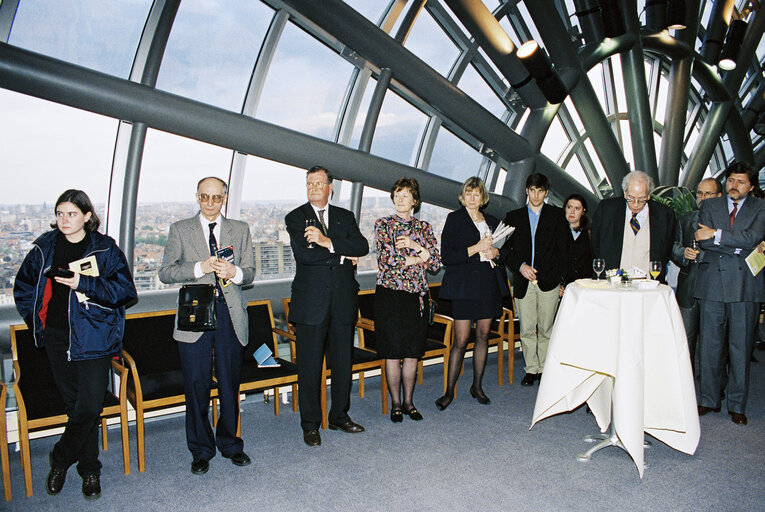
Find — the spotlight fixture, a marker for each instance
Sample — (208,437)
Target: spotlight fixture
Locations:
(733,42)
(676,14)
(590,20)
(539,66)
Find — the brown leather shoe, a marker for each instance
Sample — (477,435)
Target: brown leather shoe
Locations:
(738,418)
(703,409)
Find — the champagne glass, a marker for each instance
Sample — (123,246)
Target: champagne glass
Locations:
(655,269)
(310,222)
(695,247)
(598,265)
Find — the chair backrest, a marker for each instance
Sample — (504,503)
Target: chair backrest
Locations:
(149,340)
(35,380)
(286,306)
(367,304)
(261,324)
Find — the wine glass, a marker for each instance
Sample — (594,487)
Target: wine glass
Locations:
(598,265)
(655,269)
(310,222)
(695,247)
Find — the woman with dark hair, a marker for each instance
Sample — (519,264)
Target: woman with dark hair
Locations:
(80,331)
(473,282)
(579,244)
(406,249)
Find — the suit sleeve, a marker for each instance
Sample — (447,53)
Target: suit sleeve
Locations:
(25,283)
(453,248)
(733,239)
(513,255)
(350,242)
(677,246)
(174,268)
(246,259)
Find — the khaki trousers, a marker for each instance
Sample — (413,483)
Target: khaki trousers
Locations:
(536,313)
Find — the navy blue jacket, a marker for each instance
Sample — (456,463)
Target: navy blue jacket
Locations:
(96,326)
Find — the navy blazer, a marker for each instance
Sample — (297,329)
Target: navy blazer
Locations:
(321,282)
(467,277)
(724,275)
(550,248)
(608,232)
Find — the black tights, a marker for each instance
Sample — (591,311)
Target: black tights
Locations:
(457,354)
(401,375)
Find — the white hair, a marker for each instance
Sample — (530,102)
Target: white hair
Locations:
(637,176)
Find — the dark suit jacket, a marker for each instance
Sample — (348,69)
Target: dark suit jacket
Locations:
(723,275)
(689,270)
(608,232)
(550,248)
(467,277)
(579,256)
(324,287)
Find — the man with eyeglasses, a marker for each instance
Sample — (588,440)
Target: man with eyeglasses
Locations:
(729,295)
(190,257)
(633,231)
(687,256)
(326,243)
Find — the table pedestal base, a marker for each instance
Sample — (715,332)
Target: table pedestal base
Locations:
(606,440)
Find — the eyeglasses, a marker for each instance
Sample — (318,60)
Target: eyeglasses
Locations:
(217,198)
(315,184)
(636,200)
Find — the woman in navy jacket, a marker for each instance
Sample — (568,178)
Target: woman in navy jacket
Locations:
(472,281)
(80,332)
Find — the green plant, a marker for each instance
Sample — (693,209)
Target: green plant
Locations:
(680,199)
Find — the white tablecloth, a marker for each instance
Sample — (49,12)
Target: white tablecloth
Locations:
(629,345)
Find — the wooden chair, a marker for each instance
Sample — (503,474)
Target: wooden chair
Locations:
(437,343)
(363,360)
(41,406)
(504,331)
(4,445)
(150,369)
(263,331)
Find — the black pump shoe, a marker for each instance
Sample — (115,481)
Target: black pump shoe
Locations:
(397,415)
(479,395)
(443,402)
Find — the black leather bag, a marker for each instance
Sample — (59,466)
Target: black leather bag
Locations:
(196,308)
(432,309)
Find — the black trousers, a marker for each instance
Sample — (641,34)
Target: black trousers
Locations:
(197,363)
(312,341)
(82,385)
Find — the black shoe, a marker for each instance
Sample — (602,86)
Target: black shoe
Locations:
(199,466)
(528,379)
(443,402)
(347,427)
(397,415)
(414,414)
(91,486)
(56,478)
(239,459)
(479,395)
(312,437)
(539,377)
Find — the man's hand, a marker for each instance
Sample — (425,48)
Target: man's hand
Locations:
(705,232)
(314,235)
(223,269)
(529,272)
(71,282)
(207,265)
(690,254)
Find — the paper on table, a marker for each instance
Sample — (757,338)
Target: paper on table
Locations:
(592,283)
(755,261)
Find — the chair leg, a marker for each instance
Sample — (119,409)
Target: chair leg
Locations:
(215,412)
(446,371)
(140,440)
(239,416)
(277,399)
(294,398)
(4,453)
(510,359)
(323,395)
(361,384)
(104,440)
(26,464)
(419,372)
(501,362)
(125,437)
(384,389)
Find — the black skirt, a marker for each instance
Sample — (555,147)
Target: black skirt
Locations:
(400,329)
(476,309)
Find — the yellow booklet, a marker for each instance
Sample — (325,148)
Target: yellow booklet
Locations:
(755,261)
(86,267)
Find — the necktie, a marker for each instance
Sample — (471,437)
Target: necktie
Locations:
(733,213)
(213,243)
(634,224)
(321,220)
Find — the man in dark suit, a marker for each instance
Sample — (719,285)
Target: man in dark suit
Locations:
(619,233)
(729,295)
(687,258)
(190,258)
(537,256)
(326,243)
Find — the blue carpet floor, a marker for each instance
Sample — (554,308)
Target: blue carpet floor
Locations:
(469,457)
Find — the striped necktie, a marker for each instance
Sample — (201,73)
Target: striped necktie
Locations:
(634,224)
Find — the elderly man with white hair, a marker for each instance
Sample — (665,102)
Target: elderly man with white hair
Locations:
(633,230)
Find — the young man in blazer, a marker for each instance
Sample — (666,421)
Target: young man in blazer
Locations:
(634,233)
(326,243)
(729,295)
(537,256)
(687,259)
(190,258)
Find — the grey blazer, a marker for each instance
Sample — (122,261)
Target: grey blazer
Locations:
(187,244)
(689,270)
(724,275)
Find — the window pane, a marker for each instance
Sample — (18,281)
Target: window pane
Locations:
(91,33)
(452,158)
(47,148)
(305,85)
(211,51)
(476,87)
(375,204)
(429,42)
(555,141)
(172,166)
(399,130)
